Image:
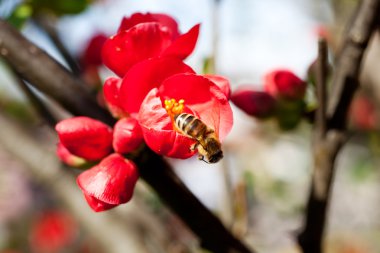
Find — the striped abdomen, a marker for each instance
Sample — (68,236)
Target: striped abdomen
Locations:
(190,125)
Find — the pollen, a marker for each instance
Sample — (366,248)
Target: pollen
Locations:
(173,107)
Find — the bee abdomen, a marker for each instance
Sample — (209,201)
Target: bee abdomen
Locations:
(190,125)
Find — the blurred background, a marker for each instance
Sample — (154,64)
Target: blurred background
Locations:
(259,189)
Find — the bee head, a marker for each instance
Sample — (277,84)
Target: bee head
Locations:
(214,158)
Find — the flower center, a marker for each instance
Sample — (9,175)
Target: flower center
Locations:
(173,107)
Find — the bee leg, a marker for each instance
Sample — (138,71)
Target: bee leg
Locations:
(194,146)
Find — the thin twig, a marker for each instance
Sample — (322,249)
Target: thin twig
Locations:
(35,101)
(321,83)
(57,83)
(345,82)
(47,23)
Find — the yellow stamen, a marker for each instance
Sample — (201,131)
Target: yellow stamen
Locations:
(173,107)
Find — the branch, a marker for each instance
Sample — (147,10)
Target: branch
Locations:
(327,147)
(47,23)
(35,101)
(345,79)
(153,169)
(47,75)
(321,83)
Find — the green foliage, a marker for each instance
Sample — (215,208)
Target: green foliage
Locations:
(60,7)
(25,10)
(289,113)
(20,15)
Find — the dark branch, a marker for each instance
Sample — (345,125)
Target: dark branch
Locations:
(327,147)
(345,79)
(46,74)
(47,23)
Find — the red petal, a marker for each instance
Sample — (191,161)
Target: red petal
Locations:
(111,91)
(222,82)
(203,97)
(129,47)
(138,18)
(184,45)
(98,205)
(111,181)
(158,131)
(127,135)
(92,54)
(255,103)
(85,137)
(65,156)
(145,76)
(284,84)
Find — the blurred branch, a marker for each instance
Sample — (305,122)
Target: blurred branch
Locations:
(56,82)
(327,146)
(35,101)
(321,83)
(47,23)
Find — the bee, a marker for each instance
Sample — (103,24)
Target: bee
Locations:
(208,144)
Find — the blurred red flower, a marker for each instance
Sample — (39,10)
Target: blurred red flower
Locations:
(284,84)
(255,103)
(201,97)
(52,232)
(110,183)
(91,55)
(143,36)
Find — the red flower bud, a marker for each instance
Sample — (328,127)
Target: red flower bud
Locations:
(127,135)
(52,232)
(85,137)
(110,183)
(284,84)
(255,103)
(65,156)
(362,113)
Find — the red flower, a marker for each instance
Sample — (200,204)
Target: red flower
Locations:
(110,183)
(127,135)
(144,36)
(92,53)
(52,232)
(145,76)
(202,98)
(284,84)
(138,18)
(222,83)
(111,92)
(85,137)
(362,113)
(255,103)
